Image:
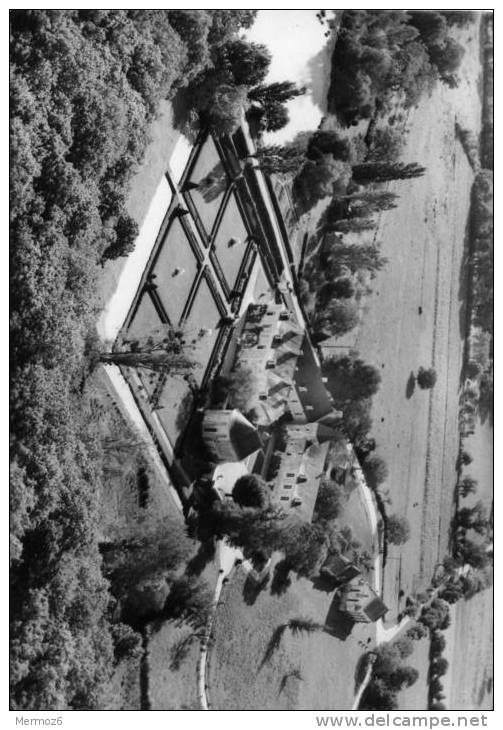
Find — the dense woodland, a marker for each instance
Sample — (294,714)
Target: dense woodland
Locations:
(380,56)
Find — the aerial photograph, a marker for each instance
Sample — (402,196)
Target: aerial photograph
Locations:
(251,360)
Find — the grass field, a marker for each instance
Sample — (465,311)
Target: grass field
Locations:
(175,270)
(209,173)
(314,671)
(469,684)
(423,239)
(416,697)
(230,255)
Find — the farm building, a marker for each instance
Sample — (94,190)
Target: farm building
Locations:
(359,600)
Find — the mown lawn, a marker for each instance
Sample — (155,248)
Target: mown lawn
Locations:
(309,671)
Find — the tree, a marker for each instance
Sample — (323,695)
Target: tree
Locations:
(337,318)
(375,470)
(275,116)
(350,379)
(452,592)
(305,547)
(248,62)
(465,458)
(397,529)
(327,141)
(144,552)
(373,172)
(387,145)
(162,350)
(337,255)
(439,667)
(320,178)
(417,631)
(426,379)
(474,518)
(472,369)
(250,490)
(403,677)
(329,499)
(355,225)
(434,615)
(467,486)
(190,598)
(379,696)
(280,158)
(225,109)
(126,231)
(278,91)
(363,204)
(438,642)
(405,646)
(357,421)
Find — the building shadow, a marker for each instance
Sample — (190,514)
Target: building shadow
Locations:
(411,385)
(337,623)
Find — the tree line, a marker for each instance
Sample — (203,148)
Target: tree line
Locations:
(380,56)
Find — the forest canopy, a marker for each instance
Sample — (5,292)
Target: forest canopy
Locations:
(84,85)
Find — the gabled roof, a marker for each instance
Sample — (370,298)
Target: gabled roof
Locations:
(308,375)
(243,436)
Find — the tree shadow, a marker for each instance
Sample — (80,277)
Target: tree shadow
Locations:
(360,670)
(411,385)
(324,583)
(204,555)
(273,644)
(184,411)
(213,184)
(252,589)
(185,117)
(281,580)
